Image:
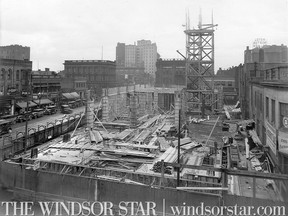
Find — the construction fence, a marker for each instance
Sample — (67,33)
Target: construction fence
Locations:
(37,136)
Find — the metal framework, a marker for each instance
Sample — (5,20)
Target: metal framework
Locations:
(200,67)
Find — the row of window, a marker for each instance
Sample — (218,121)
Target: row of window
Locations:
(80,84)
(270,105)
(9,75)
(88,69)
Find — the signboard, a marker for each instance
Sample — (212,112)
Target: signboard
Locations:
(271,137)
(283,142)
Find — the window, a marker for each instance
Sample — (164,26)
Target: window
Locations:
(273,111)
(273,74)
(283,113)
(267,108)
(17,75)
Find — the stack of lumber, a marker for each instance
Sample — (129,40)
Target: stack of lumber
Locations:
(95,136)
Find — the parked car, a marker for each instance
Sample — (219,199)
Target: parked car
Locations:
(5,126)
(11,118)
(65,109)
(37,113)
(50,110)
(22,117)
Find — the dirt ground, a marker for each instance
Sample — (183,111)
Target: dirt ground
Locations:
(200,132)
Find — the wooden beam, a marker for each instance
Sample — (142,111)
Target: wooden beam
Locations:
(251,174)
(202,188)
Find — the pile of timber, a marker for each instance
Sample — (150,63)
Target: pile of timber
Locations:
(169,156)
(140,138)
(95,136)
(124,134)
(150,122)
(128,152)
(164,145)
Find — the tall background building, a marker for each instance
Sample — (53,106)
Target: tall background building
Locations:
(120,55)
(148,55)
(136,63)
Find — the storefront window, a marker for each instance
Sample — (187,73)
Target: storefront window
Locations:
(283,115)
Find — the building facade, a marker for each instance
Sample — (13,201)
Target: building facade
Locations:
(130,56)
(46,84)
(228,88)
(256,61)
(15,52)
(98,73)
(120,55)
(269,109)
(147,55)
(141,55)
(170,72)
(76,84)
(131,75)
(14,83)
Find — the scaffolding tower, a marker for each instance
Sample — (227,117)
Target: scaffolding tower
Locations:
(200,93)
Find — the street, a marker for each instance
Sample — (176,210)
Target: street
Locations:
(34,123)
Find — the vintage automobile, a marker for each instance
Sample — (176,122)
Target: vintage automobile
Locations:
(50,110)
(22,117)
(5,126)
(37,113)
(65,109)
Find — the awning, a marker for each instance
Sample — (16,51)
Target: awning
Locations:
(42,101)
(75,95)
(67,96)
(24,104)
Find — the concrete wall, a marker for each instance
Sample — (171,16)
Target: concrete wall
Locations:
(42,185)
(34,185)
(148,100)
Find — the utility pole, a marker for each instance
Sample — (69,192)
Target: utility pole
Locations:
(29,94)
(178,156)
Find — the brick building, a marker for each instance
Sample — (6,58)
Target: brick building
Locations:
(46,84)
(14,83)
(15,52)
(98,73)
(170,72)
(256,61)
(131,75)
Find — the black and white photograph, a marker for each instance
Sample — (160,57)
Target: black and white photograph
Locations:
(143,108)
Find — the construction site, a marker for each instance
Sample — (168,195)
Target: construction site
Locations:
(179,144)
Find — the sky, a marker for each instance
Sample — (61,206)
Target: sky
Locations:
(59,30)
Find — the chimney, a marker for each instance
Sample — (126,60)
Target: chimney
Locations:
(46,69)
